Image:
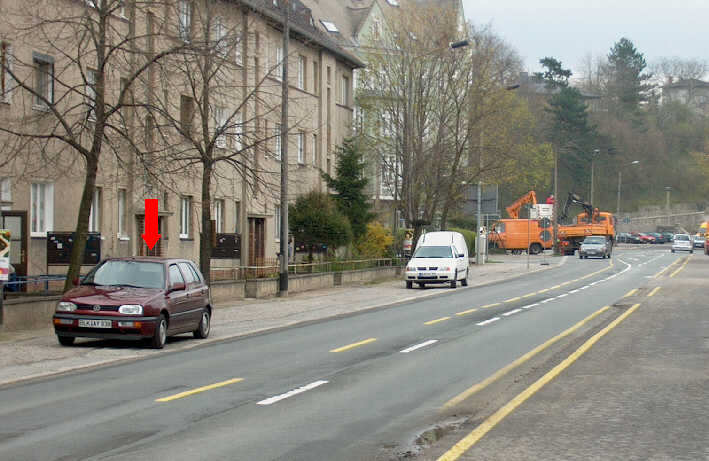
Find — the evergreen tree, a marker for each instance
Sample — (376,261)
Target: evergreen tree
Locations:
(349,185)
(314,220)
(628,86)
(554,76)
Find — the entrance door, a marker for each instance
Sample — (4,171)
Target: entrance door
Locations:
(144,250)
(16,223)
(257,243)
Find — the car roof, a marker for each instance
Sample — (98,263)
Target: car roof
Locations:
(153,259)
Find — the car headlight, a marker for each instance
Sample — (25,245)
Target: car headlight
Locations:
(65,306)
(135,309)
(410,268)
(444,269)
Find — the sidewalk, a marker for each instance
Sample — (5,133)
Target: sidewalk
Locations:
(36,353)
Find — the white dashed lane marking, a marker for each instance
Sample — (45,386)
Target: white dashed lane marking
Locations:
(488,321)
(419,346)
(297,391)
(507,314)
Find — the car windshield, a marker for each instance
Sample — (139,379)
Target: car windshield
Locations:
(594,240)
(139,274)
(433,252)
(681,237)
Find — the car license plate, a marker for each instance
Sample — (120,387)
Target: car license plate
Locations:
(89,323)
(427,274)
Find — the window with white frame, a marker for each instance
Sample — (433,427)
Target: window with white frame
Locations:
(237,216)
(42,209)
(301,72)
(5,70)
(344,90)
(389,169)
(91,93)
(277,221)
(316,75)
(184,19)
(122,234)
(238,57)
(238,132)
(315,149)
(219,126)
(95,215)
(278,65)
(277,148)
(376,29)
(219,215)
(387,125)
(220,37)
(185,217)
(5,192)
(301,148)
(44,79)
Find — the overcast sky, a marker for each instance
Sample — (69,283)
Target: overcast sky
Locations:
(570,29)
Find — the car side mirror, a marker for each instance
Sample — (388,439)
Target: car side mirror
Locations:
(177,286)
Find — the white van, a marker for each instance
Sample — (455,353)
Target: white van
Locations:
(440,257)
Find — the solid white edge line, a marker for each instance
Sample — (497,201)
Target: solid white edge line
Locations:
(563,295)
(419,346)
(485,322)
(574,291)
(529,306)
(507,314)
(297,391)
(544,301)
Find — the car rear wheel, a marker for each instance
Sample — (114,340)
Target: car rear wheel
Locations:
(160,335)
(422,285)
(66,340)
(464,282)
(409,285)
(454,282)
(203,328)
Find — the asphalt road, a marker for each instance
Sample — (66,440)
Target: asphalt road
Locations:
(337,389)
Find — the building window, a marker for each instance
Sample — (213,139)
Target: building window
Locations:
(220,37)
(278,65)
(220,126)
(5,193)
(186,114)
(91,77)
(185,20)
(185,217)
(277,221)
(95,215)
(376,29)
(316,75)
(219,215)
(42,209)
(237,216)
(301,148)
(44,80)
(122,214)
(237,49)
(5,69)
(315,149)
(301,72)
(345,91)
(389,172)
(278,147)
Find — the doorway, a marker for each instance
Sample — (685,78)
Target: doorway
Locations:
(16,223)
(257,245)
(143,248)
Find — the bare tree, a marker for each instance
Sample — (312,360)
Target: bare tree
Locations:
(72,98)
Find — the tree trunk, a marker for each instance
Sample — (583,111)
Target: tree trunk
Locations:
(82,223)
(205,241)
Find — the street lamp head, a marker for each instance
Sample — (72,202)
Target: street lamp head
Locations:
(635,162)
(459,44)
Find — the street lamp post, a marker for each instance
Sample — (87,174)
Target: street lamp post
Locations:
(593,160)
(283,269)
(617,208)
(668,189)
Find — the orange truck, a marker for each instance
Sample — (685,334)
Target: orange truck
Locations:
(534,235)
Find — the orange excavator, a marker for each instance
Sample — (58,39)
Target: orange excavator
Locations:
(529,197)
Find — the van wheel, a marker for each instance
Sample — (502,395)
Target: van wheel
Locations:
(464,282)
(409,285)
(535,248)
(454,282)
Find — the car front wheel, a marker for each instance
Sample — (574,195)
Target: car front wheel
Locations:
(66,340)
(202,330)
(160,335)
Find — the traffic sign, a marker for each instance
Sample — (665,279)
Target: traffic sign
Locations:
(4,243)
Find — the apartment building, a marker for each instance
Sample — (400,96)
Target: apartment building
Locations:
(183,87)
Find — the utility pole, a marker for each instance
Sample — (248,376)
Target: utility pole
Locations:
(478,256)
(283,275)
(617,205)
(555,207)
(593,160)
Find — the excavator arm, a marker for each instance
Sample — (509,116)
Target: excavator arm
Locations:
(574,199)
(529,197)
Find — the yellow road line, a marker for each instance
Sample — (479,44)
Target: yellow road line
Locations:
(199,389)
(666,268)
(503,371)
(490,305)
(543,291)
(528,295)
(353,345)
(652,293)
(631,293)
(471,439)
(511,300)
(555,287)
(466,312)
(680,268)
(431,322)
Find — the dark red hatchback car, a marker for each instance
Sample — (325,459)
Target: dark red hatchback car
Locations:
(136,298)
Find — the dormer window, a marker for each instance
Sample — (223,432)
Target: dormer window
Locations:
(393,2)
(329,26)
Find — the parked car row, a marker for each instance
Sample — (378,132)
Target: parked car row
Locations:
(644,237)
